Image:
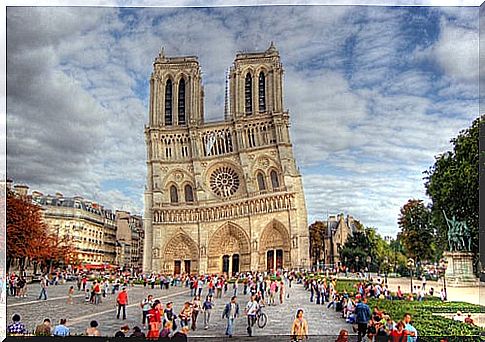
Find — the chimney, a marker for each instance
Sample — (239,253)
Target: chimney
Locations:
(22,190)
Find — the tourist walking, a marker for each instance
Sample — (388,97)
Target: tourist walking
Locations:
(43,329)
(299,328)
(61,329)
(231,312)
(43,288)
(195,311)
(93,329)
(122,301)
(155,319)
(185,315)
(207,309)
(146,305)
(169,315)
(251,310)
(70,293)
(362,316)
(282,292)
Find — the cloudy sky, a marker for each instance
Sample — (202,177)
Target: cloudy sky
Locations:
(374,93)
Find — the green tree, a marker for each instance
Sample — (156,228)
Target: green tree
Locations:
(417,234)
(317,241)
(452,185)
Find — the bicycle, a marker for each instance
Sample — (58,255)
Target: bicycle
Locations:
(261,318)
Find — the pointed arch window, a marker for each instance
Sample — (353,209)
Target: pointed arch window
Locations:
(261,182)
(262,92)
(248,94)
(174,196)
(189,193)
(275,182)
(181,106)
(168,103)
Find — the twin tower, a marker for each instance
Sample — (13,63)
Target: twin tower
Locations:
(222,197)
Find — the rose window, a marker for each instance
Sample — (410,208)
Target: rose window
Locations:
(224,181)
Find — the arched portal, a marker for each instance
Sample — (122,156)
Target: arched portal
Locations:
(180,255)
(228,250)
(274,247)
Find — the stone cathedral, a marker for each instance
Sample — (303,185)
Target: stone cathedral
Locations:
(227,196)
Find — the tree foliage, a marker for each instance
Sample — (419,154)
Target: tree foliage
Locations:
(453,186)
(317,241)
(417,234)
(28,237)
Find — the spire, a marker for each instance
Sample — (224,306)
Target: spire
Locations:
(272,48)
(226,98)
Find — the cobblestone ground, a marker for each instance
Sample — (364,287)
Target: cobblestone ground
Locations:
(321,321)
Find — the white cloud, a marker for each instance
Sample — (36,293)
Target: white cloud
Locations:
(78,79)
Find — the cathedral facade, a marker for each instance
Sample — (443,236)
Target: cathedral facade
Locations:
(227,196)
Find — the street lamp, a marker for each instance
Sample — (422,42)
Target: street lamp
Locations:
(368,259)
(444,265)
(411,266)
(386,265)
(357,263)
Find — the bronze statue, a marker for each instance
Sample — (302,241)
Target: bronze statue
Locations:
(458,233)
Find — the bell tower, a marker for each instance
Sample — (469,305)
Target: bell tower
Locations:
(176,92)
(256,84)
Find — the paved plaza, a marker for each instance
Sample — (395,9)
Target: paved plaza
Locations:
(321,321)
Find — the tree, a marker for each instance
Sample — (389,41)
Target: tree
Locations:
(417,234)
(452,185)
(317,241)
(28,237)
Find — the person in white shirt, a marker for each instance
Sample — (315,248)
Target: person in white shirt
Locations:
(251,310)
(459,317)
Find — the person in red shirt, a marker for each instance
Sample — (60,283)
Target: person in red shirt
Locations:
(155,320)
(398,334)
(122,301)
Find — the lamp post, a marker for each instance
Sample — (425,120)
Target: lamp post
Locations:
(357,263)
(411,266)
(444,265)
(368,259)
(386,265)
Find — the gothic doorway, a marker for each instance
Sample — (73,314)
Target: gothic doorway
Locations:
(177,267)
(228,250)
(274,247)
(235,264)
(187,266)
(225,264)
(270,260)
(180,248)
(279,259)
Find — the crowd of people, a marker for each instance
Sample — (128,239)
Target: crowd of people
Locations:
(162,321)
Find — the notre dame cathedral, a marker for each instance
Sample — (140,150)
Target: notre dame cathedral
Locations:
(227,196)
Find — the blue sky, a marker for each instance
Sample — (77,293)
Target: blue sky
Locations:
(374,93)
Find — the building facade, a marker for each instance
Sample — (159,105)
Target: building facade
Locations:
(130,236)
(91,226)
(222,196)
(337,229)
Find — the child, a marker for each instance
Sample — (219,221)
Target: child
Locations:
(70,293)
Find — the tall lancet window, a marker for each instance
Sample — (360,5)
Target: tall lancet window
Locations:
(182,102)
(168,103)
(248,94)
(262,92)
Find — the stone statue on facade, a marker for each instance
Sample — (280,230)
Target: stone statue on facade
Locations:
(459,237)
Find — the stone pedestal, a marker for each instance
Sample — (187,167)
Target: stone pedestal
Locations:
(460,269)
